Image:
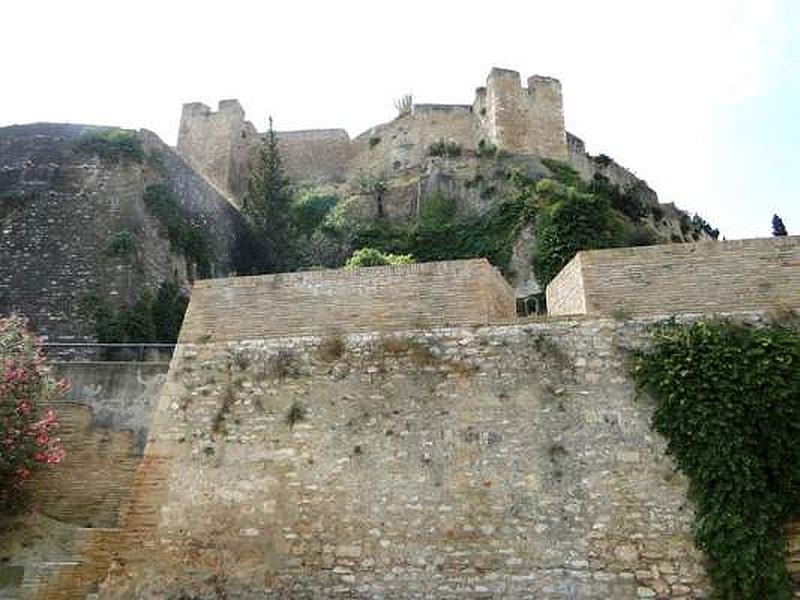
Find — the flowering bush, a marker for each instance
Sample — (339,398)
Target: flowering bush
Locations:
(27,440)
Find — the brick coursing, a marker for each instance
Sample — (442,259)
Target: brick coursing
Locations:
(702,277)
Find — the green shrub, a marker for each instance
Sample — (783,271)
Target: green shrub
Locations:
(13,200)
(184,236)
(121,243)
(563,173)
(111,144)
(437,211)
(602,160)
(374,140)
(486,149)
(370,257)
(625,202)
(576,221)
(701,225)
(446,148)
(310,209)
(728,404)
(149,319)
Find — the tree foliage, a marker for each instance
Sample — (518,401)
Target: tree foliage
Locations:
(370,257)
(778,228)
(267,207)
(728,399)
(27,440)
(112,145)
(184,236)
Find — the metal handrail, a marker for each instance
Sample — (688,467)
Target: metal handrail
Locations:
(139,347)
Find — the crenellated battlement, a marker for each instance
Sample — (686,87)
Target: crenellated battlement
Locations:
(520,119)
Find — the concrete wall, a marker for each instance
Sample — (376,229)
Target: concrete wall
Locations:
(702,277)
(64,547)
(365,299)
(498,461)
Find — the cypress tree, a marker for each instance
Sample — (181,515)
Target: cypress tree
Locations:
(266,206)
(778,228)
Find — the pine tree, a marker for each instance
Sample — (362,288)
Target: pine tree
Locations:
(266,206)
(778,228)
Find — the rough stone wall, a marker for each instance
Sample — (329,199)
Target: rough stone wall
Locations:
(200,202)
(703,277)
(524,120)
(403,143)
(364,299)
(53,243)
(222,145)
(498,462)
(216,144)
(316,156)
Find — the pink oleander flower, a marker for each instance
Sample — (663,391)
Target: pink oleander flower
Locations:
(27,426)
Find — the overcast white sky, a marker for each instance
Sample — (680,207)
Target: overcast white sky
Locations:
(698,97)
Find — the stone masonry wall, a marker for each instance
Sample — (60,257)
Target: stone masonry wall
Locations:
(703,277)
(53,243)
(504,461)
(565,295)
(54,236)
(222,145)
(364,299)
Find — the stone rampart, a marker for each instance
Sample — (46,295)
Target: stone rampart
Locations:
(348,300)
(702,277)
(54,238)
(502,461)
(222,145)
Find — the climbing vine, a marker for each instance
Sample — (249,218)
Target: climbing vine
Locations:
(728,404)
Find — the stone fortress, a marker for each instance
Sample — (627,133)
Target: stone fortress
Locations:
(524,121)
(397,432)
(389,432)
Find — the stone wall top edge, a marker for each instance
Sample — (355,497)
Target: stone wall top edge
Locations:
(449,266)
(537,323)
(430,107)
(595,257)
(310,133)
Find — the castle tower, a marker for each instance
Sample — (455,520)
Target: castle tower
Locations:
(216,143)
(523,120)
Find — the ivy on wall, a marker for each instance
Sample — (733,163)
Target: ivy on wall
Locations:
(184,236)
(728,404)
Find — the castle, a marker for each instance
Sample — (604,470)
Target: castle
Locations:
(386,432)
(524,121)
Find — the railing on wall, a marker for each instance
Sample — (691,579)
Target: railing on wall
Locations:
(94,352)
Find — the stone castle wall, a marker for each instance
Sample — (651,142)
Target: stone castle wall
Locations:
(703,277)
(365,299)
(497,461)
(54,236)
(524,120)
